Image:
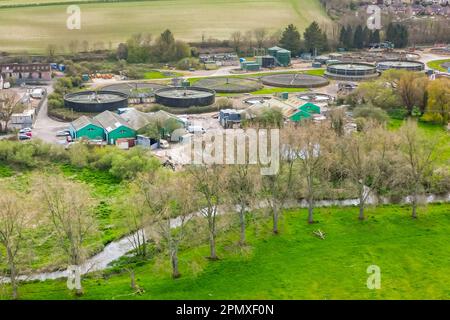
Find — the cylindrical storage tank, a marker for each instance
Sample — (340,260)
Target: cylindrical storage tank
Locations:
(96,101)
(182,97)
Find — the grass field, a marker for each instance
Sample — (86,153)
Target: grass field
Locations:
(33,28)
(413,255)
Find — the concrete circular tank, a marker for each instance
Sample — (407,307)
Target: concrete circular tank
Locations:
(400,64)
(185,97)
(96,101)
(294,80)
(351,71)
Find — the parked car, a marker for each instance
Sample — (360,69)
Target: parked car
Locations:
(195,129)
(163,144)
(24,137)
(63,133)
(29,134)
(25,130)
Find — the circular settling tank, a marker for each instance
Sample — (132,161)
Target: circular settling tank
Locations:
(96,101)
(229,85)
(400,64)
(315,97)
(294,80)
(184,97)
(351,71)
(135,89)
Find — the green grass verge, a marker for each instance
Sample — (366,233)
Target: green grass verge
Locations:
(155,74)
(413,255)
(437,65)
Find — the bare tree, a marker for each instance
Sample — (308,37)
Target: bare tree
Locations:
(170,202)
(236,41)
(69,208)
(311,144)
(9,104)
(260,36)
(364,155)
(14,220)
(208,182)
(419,156)
(51,50)
(241,189)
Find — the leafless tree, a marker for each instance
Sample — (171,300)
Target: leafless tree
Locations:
(260,36)
(311,145)
(170,202)
(419,156)
(364,155)
(69,208)
(14,220)
(9,104)
(236,41)
(208,183)
(241,185)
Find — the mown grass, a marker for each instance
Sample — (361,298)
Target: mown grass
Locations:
(155,74)
(413,255)
(437,64)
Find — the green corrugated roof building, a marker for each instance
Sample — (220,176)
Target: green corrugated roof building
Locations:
(115,127)
(310,108)
(85,127)
(300,115)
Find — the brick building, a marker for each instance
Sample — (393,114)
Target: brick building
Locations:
(33,72)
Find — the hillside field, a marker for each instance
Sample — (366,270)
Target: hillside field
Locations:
(33,27)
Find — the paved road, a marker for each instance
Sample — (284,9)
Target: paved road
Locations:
(45,128)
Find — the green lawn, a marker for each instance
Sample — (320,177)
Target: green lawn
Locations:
(33,28)
(437,64)
(414,257)
(155,74)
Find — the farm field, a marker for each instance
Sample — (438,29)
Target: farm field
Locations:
(413,256)
(32,28)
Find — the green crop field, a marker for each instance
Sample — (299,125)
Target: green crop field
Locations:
(32,28)
(413,256)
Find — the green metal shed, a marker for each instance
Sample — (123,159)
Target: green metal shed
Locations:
(85,127)
(310,108)
(115,127)
(300,115)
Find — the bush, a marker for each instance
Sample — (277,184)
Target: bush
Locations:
(370,112)
(398,113)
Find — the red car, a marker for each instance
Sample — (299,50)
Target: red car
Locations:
(29,134)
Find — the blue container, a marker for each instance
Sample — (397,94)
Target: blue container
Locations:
(54,66)
(61,67)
